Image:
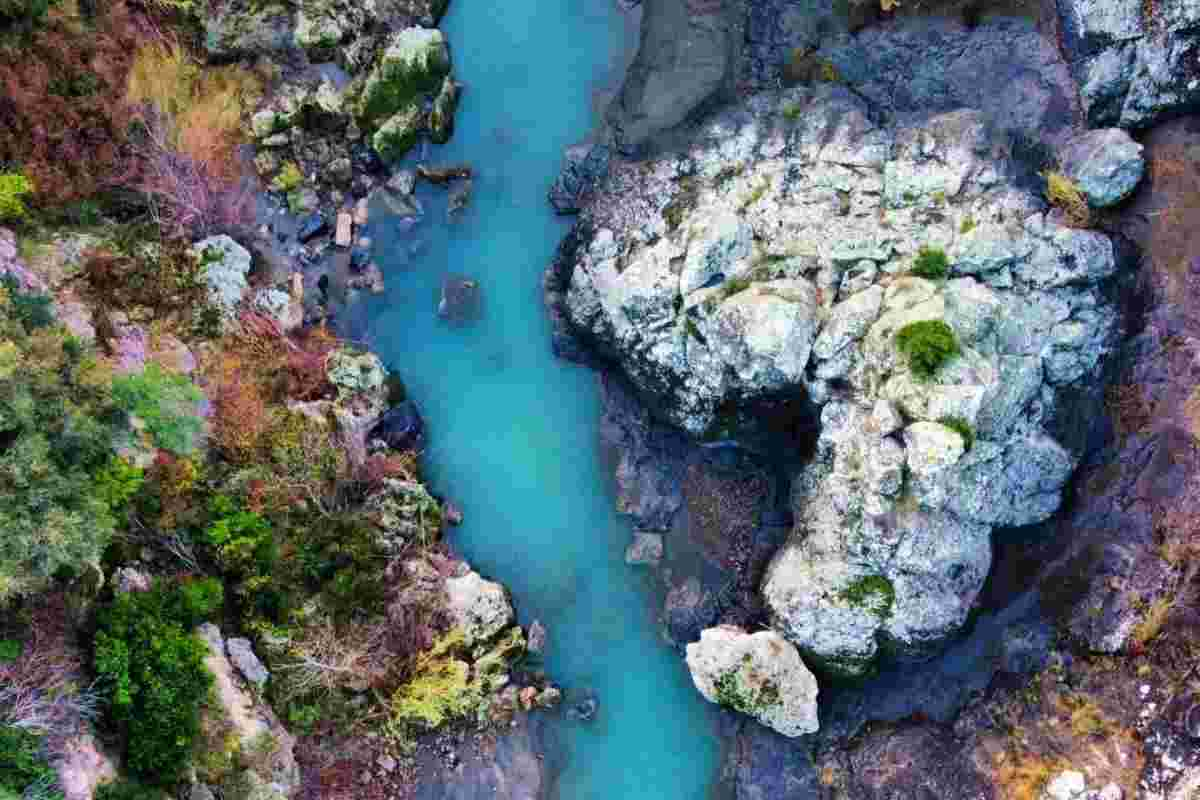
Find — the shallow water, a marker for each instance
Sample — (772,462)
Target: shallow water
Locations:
(514,431)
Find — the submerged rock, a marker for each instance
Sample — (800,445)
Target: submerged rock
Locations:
(759,674)
(645,549)
(461,300)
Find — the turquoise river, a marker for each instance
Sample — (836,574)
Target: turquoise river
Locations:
(513,431)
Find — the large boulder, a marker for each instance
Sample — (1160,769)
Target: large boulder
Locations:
(226,265)
(1106,165)
(414,62)
(773,260)
(759,674)
(479,607)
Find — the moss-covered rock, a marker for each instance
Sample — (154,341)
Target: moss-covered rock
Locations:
(441,117)
(404,512)
(413,63)
(243,28)
(400,132)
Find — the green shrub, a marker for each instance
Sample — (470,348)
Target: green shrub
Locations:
(242,539)
(10,650)
(928,344)
(931,263)
(128,789)
(963,428)
(52,518)
(23,763)
(289,178)
(151,670)
(165,402)
(13,186)
(118,483)
(32,309)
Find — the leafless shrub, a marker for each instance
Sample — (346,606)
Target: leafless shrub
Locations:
(42,690)
(323,657)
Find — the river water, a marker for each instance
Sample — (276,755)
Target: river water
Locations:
(513,432)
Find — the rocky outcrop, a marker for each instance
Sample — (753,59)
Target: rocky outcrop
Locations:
(775,261)
(226,265)
(250,727)
(759,674)
(479,607)
(1136,63)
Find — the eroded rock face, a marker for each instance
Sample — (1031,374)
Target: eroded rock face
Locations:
(759,674)
(1133,68)
(773,258)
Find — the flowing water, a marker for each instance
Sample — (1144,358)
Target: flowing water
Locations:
(513,432)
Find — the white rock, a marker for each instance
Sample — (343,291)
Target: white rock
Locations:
(760,674)
(480,607)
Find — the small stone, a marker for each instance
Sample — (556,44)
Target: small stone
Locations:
(1067,785)
(645,549)
(386,763)
(403,182)
(453,514)
(549,697)
(886,418)
(536,640)
(129,579)
(362,212)
(242,655)
(528,696)
(311,227)
(1112,791)
(344,231)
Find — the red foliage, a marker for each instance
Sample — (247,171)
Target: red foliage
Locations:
(379,467)
(62,115)
(307,378)
(240,418)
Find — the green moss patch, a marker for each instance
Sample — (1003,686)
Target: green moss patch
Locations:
(874,592)
(928,344)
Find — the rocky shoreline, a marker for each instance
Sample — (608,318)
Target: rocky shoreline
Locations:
(1066,572)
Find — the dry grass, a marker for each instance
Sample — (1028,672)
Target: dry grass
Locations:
(1022,776)
(1064,193)
(1153,622)
(206,106)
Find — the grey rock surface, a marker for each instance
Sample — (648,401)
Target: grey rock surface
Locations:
(1133,68)
(241,653)
(481,607)
(759,674)
(226,265)
(646,549)
(1107,165)
(714,276)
